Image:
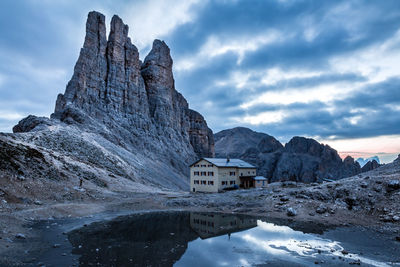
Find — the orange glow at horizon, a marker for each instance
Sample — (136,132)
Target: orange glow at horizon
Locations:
(385,147)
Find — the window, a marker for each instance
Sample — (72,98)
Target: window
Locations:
(253,172)
(248,172)
(232,182)
(223,182)
(232,173)
(210,173)
(203,173)
(203,165)
(210,165)
(196,173)
(241,174)
(197,165)
(210,182)
(196,181)
(203,182)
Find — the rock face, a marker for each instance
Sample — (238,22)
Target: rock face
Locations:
(30,123)
(129,108)
(301,159)
(111,85)
(234,142)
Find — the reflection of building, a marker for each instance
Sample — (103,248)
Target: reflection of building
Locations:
(208,225)
(216,174)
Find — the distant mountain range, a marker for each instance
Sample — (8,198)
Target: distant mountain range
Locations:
(301,159)
(362,161)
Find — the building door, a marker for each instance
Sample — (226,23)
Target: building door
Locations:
(194,190)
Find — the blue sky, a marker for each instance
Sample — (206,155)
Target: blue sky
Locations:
(323,69)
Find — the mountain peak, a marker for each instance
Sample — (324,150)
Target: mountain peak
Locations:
(133,105)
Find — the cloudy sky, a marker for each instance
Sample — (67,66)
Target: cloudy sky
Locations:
(329,70)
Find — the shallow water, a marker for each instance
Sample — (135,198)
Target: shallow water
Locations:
(211,239)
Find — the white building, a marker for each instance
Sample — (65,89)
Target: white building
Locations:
(217,174)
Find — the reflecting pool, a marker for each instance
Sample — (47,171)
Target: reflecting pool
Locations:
(212,239)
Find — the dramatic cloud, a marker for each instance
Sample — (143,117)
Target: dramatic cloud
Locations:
(324,69)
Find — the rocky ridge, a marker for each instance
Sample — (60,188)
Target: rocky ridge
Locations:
(301,159)
(118,118)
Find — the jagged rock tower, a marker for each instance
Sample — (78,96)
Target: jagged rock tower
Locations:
(112,86)
(131,104)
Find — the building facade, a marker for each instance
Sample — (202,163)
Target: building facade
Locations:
(260,181)
(217,174)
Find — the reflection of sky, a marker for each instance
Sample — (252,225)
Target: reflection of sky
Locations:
(266,243)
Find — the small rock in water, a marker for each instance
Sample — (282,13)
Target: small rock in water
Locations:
(291,212)
(396,218)
(56,245)
(364,185)
(20,236)
(345,252)
(38,202)
(357,262)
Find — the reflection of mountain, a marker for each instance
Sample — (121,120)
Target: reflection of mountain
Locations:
(208,225)
(137,240)
(149,239)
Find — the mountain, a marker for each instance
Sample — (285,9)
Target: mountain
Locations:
(370,165)
(235,142)
(363,161)
(301,159)
(120,124)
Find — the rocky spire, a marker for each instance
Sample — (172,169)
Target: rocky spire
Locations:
(110,86)
(158,77)
(88,80)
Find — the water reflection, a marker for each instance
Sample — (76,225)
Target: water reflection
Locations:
(208,225)
(205,239)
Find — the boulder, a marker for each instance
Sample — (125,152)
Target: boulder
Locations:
(291,212)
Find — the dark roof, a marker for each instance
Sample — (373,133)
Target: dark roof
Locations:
(223,162)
